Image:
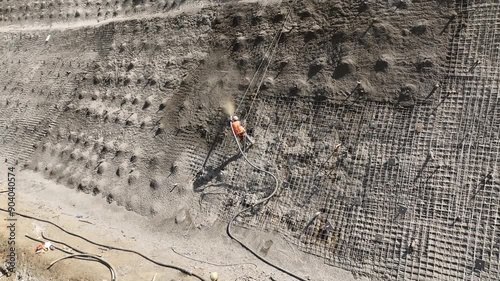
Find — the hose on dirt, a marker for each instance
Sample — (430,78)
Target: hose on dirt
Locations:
(62,243)
(211,263)
(185,271)
(89,257)
(55,247)
(100,260)
(261,201)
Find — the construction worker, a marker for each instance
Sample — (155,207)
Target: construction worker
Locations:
(240,131)
(214,276)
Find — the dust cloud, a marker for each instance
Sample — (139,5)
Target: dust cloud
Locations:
(228,105)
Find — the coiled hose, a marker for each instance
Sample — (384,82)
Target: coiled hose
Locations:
(109,247)
(261,201)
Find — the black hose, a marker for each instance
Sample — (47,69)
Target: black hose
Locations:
(55,247)
(211,263)
(65,251)
(102,261)
(62,243)
(109,247)
(261,201)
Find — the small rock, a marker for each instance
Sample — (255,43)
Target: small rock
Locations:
(181,216)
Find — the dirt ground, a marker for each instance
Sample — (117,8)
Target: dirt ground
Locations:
(165,240)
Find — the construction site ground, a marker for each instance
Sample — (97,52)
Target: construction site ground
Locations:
(172,241)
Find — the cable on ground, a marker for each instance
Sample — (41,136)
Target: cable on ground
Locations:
(62,243)
(67,252)
(102,261)
(55,247)
(211,263)
(185,271)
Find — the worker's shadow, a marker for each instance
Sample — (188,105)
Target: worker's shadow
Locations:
(205,176)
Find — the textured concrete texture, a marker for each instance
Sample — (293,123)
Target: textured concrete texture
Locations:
(128,101)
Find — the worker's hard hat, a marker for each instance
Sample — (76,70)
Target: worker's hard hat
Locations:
(235,118)
(214,276)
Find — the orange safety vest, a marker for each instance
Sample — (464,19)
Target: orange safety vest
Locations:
(238,129)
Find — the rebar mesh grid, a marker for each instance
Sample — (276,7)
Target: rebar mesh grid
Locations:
(413,193)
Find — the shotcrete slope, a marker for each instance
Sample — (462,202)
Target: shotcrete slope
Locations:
(124,101)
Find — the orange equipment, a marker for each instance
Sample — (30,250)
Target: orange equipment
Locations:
(238,129)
